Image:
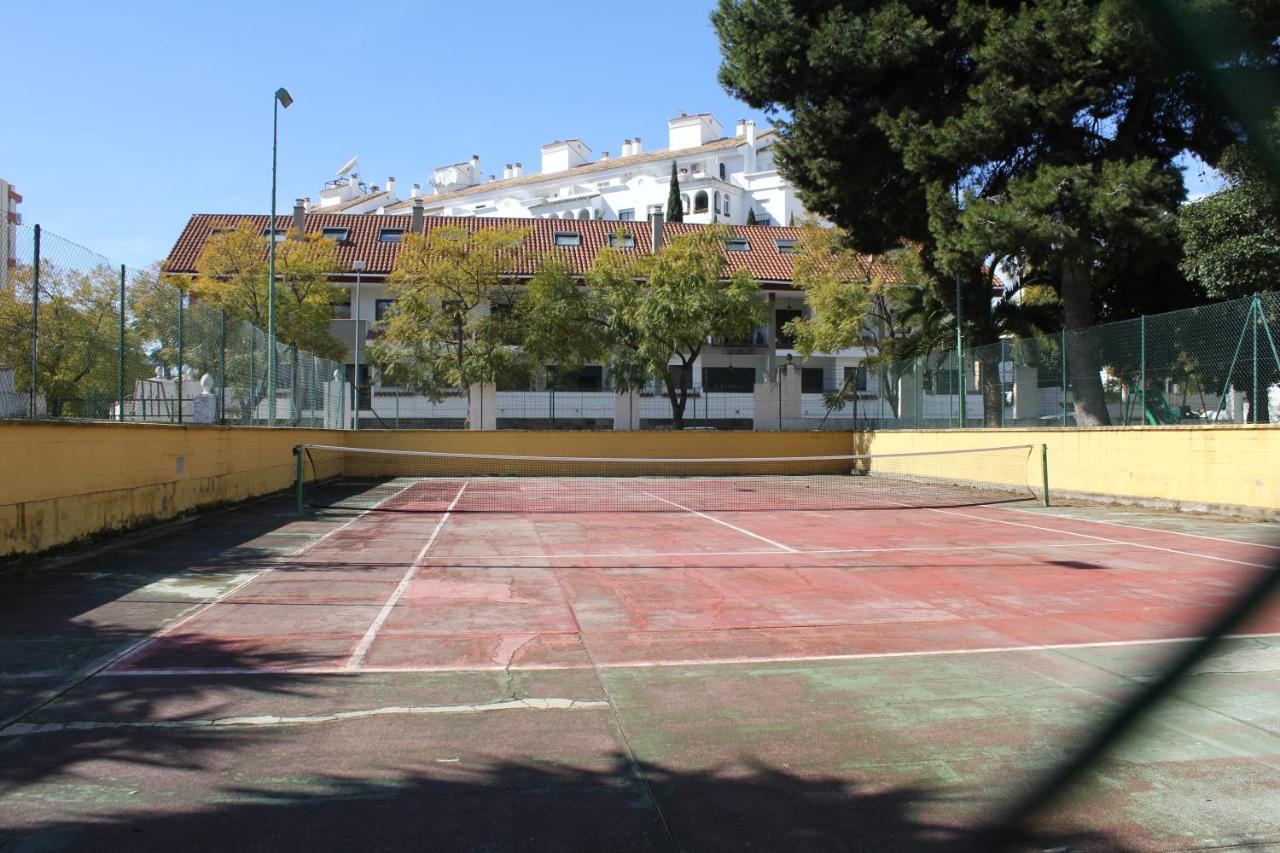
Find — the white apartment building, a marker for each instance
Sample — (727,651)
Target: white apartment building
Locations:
(728,179)
(10,219)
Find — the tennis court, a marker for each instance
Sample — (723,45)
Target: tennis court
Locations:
(517,653)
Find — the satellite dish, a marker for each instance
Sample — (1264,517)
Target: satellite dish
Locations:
(348,166)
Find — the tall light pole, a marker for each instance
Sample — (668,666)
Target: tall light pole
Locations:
(358,266)
(960,383)
(282,99)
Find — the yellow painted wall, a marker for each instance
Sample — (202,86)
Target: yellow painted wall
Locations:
(62,482)
(1193,467)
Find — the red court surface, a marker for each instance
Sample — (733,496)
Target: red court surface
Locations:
(696,680)
(436,591)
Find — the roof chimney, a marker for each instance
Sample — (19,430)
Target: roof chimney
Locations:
(416,191)
(655,230)
(604,156)
(475,166)
(738,129)
(517,170)
(391,188)
(506,171)
(635,145)
(415,224)
(299,217)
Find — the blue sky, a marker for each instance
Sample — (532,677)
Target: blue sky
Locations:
(123,119)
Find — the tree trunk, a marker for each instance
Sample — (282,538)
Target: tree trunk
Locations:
(992,389)
(1082,346)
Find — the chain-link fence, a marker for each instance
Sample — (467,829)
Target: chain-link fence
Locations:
(1217,363)
(83,338)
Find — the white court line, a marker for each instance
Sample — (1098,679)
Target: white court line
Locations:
(639,555)
(225,594)
(690,662)
(725,523)
(1125,542)
(1042,514)
(366,641)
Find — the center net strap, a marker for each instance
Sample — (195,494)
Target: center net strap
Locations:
(426,481)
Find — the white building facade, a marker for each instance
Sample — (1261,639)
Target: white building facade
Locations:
(10,219)
(727,179)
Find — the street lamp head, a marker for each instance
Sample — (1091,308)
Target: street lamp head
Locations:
(283,96)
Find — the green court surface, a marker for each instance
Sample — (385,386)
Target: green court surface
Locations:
(252,680)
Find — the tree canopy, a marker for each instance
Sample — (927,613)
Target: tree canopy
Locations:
(451,326)
(1058,121)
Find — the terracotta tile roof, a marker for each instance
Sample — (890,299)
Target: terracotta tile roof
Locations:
(728,143)
(763,260)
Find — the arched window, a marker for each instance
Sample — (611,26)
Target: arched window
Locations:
(722,172)
(726,204)
(584,214)
(715,202)
(700,202)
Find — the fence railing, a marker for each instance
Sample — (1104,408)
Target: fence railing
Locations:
(83,338)
(1216,363)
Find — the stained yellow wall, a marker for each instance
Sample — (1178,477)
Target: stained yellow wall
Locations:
(1192,467)
(62,482)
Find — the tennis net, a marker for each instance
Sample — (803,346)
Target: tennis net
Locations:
(426,481)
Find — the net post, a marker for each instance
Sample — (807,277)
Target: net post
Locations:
(1044,470)
(120,353)
(35,323)
(297,477)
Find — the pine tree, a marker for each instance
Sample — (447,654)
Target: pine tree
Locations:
(675,210)
(751,216)
(1076,174)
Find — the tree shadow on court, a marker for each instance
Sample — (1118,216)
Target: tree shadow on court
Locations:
(540,806)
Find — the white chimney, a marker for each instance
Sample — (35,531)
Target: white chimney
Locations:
(475,166)
(738,129)
(635,145)
(416,191)
(604,155)
(626,148)
(517,169)
(391,187)
(749,158)
(506,171)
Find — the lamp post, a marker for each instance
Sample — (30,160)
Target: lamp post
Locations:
(359,267)
(282,99)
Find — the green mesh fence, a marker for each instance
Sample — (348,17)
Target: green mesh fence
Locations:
(1217,363)
(86,339)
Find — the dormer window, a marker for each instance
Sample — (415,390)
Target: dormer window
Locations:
(391,235)
(339,234)
(568,238)
(737,244)
(281,236)
(785,247)
(621,240)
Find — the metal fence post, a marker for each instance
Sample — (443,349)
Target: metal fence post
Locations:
(1142,367)
(1255,314)
(35,324)
(180,355)
(120,382)
(222,368)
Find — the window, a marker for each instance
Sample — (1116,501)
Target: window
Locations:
(627,214)
(780,319)
(726,204)
(700,202)
(856,377)
(811,380)
(739,380)
(737,244)
(722,176)
(785,247)
(589,378)
(621,240)
(339,234)
(280,235)
(391,235)
(381,307)
(568,238)
(684,202)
